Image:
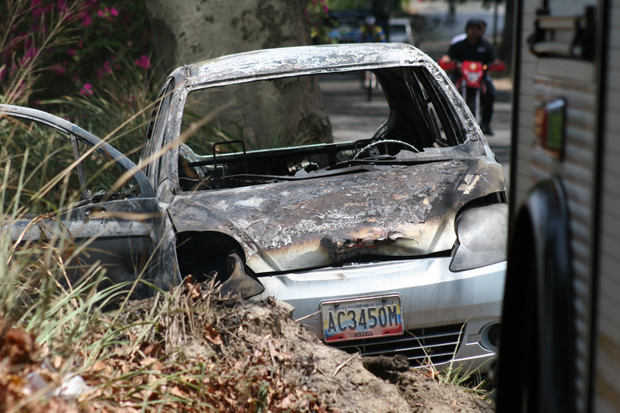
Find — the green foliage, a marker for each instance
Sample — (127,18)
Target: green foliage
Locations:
(361,4)
(74,43)
(34,157)
(118,110)
(317,13)
(347,4)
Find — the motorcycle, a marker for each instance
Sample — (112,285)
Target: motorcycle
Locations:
(470,83)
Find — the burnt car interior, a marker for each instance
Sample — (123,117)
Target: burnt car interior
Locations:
(420,123)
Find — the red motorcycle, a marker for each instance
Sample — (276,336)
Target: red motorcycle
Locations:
(470,83)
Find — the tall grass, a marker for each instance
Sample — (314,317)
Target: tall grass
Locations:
(125,97)
(45,289)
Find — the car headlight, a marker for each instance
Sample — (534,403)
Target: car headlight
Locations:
(482,237)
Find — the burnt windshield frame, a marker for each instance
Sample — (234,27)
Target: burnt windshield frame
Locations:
(155,130)
(452,126)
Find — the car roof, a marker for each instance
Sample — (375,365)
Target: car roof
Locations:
(301,60)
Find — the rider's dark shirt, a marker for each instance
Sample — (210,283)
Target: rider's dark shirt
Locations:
(482,51)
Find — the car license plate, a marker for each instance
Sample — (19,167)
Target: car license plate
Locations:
(364,317)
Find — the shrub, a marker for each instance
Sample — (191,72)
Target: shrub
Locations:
(74,43)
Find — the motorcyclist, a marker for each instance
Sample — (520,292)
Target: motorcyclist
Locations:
(477,49)
(463,35)
(371,32)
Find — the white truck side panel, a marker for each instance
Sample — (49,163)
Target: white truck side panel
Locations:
(540,81)
(607,356)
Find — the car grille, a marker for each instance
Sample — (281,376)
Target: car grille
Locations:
(439,343)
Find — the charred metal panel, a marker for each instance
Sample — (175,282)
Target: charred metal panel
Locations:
(130,217)
(389,210)
(296,61)
(119,235)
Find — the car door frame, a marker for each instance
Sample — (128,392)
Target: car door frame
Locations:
(123,235)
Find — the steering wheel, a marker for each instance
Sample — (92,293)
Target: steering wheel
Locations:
(388,141)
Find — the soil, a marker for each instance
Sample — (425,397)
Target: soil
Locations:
(257,356)
(341,382)
(349,383)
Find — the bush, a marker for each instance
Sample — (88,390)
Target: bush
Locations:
(65,47)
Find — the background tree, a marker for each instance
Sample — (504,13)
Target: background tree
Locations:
(186,31)
(505,49)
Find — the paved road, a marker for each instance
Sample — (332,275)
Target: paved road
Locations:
(438,30)
(354,118)
(435,40)
(351,115)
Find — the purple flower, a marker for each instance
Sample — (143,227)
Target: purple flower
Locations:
(107,13)
(62,7)
(144,62)
(87,89)
(106,69)
(87,21)
(28,55)
(32,52)
(58,69)
(71,52)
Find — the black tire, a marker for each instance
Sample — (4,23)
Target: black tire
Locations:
(537,369)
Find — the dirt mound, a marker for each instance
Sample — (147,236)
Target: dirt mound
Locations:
(203,352)
(338,380)
(425,394)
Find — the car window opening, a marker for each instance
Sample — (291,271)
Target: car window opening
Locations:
(405,119)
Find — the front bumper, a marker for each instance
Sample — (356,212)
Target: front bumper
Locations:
(431,296)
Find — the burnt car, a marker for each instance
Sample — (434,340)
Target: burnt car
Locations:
(393,243)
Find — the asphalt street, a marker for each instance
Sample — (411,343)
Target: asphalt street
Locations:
(352,117)
(434,40)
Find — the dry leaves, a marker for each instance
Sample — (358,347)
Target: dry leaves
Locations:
(22,381)
(229,375)
(16,345)
(213,335)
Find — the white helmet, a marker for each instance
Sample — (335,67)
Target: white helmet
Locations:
(370,20)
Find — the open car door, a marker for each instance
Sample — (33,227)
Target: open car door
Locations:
(84,191)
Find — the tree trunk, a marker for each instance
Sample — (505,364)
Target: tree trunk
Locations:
(505,50)
(187,31)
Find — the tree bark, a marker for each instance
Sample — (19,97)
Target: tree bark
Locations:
(505,50)
(187,31)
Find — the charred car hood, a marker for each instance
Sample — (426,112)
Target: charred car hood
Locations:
(391,210)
